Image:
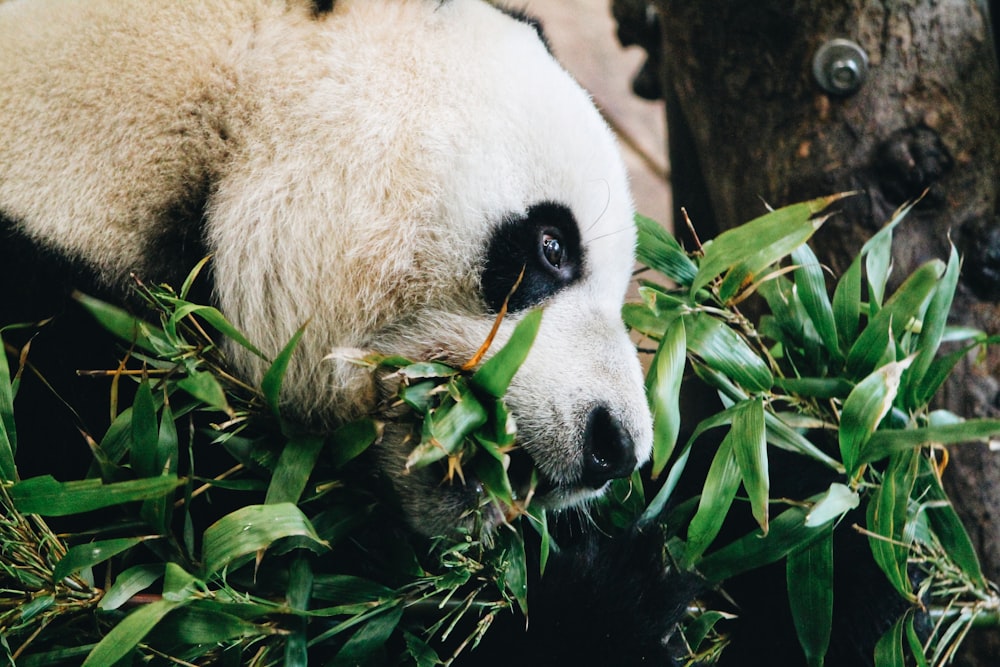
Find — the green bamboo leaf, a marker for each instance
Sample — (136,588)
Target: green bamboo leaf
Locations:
(948,528)
(515,574)
(369,639)
(130,582)
(815,387)
(834,503)
(203,386)
(811,287)
(697,630)
(717,496)
(428,369)
(904,305)
(494,376)
(639,317)
(195,624)
(878,260)
(723,350)
(751,270)
(782,230)
(47,497)
(847,305)
(660,251)
(887,520)
(145,432)
(347,589)
(659,502)
(8,430)
(935,322)
(884,443)
(353,438)
(297,596)
(864,409)
(214,318)
(251,529)
(295,465)
(270,385)
(783,436)
(92,553)
(889,649)
(809,577)
(663,389)
(446,427)
(131,630)
(493,475)
(750,450)
(788,532)
(192,276)
(421,652)
(123,324)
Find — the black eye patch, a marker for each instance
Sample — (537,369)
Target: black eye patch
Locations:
(545,242)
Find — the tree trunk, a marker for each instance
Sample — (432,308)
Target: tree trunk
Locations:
(742,95)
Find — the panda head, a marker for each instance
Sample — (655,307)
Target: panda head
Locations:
(446,151)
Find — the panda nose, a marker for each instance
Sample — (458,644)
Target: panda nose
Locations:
(608,450)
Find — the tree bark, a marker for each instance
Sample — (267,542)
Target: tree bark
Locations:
(750,124)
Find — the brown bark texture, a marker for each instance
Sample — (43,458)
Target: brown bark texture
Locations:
(749,124)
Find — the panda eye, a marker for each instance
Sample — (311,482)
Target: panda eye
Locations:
(541,247)
(552,250)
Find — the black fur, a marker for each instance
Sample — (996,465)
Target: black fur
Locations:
(516,244)
(602,601)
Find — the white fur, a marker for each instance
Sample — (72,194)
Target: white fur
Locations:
(358,163)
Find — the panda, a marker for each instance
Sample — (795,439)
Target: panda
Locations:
(383,170)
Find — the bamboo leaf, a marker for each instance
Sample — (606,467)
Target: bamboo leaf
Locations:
(809,579)
(353,438)
(639,317)
(811,286)
(295,465)
(214,318)
(371,637)
(197,624)
(145,432)
(899,310)
(660,251)
(948,528)
(446,428)
(250,529)
(663,388)
(837,500)
(847,305)
(8,430)
(203,386)
(723,350)
(889,649)
(123,324)
(132,629)
(275,374)
(864,408)
(788,533)
(47,497)
(884,443)
(128,583)
(494,376)
(750,450)
(87,555)
(887,519)
(935,322)
(717,496)
(788,226)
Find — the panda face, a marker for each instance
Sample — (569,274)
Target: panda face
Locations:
(384,171)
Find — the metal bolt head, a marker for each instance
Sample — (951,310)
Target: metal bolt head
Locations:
(840,66)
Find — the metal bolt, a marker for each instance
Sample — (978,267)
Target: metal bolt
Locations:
(840,66)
